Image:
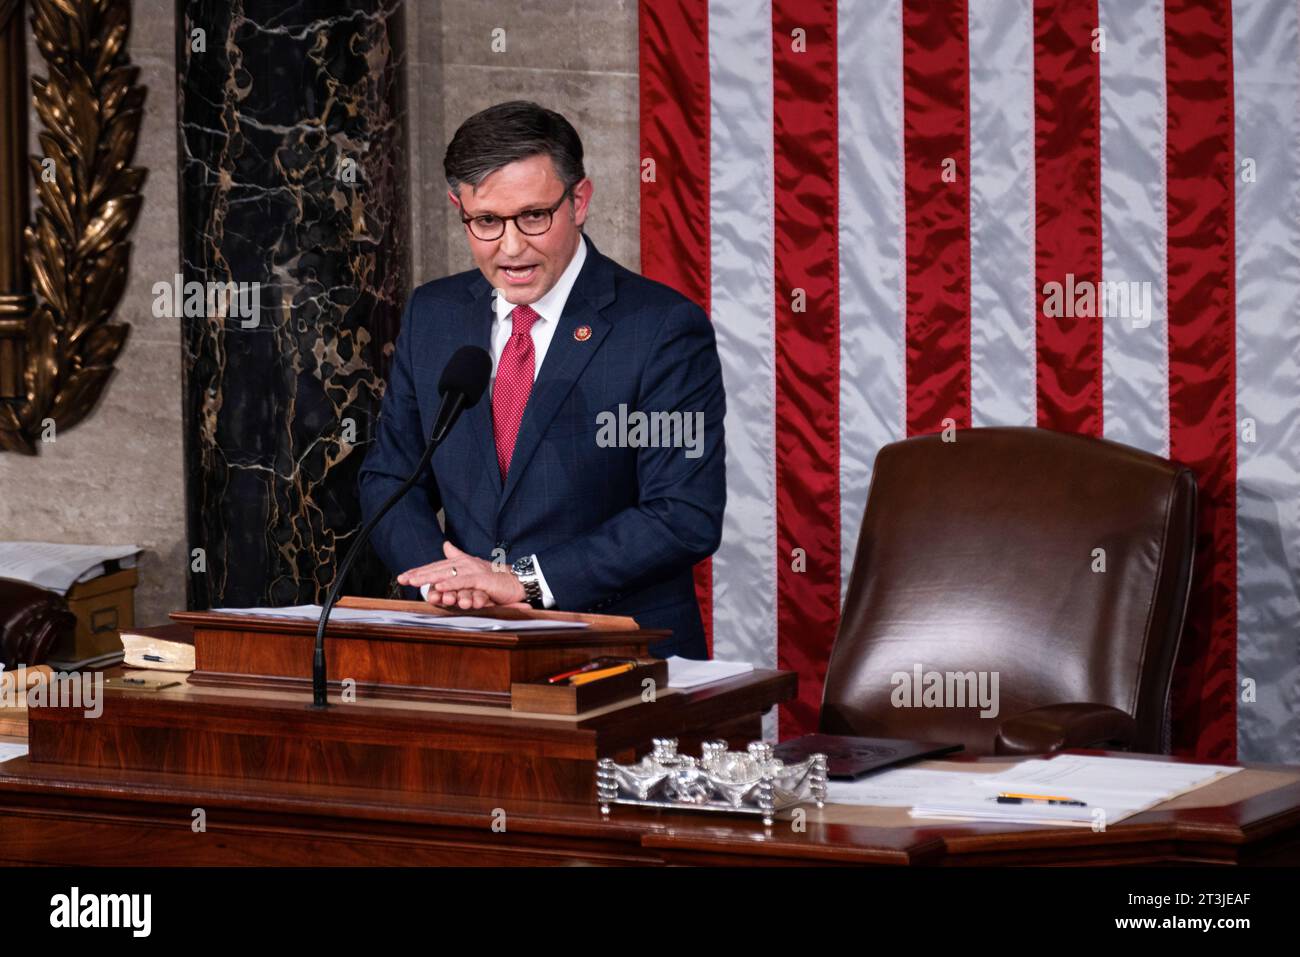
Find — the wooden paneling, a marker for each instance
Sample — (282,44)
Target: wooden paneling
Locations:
(55,814)
(421,748)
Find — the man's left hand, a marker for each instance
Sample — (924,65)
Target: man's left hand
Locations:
(460,575)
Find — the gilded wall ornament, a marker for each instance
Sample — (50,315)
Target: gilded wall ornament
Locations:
(88,196)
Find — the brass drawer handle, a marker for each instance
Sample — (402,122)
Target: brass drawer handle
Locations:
(104,619)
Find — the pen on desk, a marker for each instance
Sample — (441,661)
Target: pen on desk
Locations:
(1040,799)
(589,666)
(590,676)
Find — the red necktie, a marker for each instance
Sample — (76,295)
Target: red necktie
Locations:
(513,384)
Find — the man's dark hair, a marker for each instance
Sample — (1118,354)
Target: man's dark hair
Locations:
(502,134)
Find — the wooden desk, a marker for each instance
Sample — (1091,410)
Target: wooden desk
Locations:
(53,814)
(419,746)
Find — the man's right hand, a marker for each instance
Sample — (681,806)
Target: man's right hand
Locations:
(467,598)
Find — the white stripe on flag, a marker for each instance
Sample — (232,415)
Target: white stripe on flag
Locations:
(1003,302)
(744,317)
(1135,347)
(872,309)
(1266,57)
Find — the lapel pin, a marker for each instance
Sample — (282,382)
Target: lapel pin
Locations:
(582,333)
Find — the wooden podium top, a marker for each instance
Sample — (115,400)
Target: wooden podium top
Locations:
(593,622)
(400,660)
(225,621)
(595,628)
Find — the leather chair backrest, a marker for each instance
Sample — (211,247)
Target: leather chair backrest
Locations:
(31,620)
(984,555)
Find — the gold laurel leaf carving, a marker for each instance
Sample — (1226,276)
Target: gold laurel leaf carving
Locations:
(78,246)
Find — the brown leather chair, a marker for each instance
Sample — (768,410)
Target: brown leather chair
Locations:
(31,620)
(977,555)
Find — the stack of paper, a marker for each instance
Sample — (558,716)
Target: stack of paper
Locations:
(379,617)
(59,567)
(1111,789)
(900,787)
(688,673)
(157,653)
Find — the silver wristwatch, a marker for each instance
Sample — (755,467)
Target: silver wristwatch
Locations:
(526,571)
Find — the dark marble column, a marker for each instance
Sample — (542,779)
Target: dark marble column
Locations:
(293,177)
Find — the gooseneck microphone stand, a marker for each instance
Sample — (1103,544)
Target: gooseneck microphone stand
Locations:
(463,382)
(318,660)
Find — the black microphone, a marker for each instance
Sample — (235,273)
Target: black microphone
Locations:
(463,382)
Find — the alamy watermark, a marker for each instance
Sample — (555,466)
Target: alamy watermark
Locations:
(75,909)
(655,430)
(58,689)
(946,689)
(238,300)
(1084,298)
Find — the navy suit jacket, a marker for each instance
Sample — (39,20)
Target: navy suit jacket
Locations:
(615,529)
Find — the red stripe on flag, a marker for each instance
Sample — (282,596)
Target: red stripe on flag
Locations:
(1067,161)
(674,67)
(936,146)
(806,147)
(1202,360)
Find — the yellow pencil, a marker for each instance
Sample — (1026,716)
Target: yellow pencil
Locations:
(589,676)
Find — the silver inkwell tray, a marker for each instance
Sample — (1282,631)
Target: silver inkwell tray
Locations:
(753,781)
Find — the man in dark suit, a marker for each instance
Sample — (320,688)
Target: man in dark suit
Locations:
(592,476)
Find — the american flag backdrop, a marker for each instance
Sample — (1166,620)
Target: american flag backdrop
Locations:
(873,200)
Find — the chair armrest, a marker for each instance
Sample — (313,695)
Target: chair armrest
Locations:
(1057,726)
(31,620)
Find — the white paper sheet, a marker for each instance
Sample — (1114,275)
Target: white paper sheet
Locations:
(1112,789)
(10,751)
(380,617)
(59,567)
(899,787)
(1142,780)
(688,673)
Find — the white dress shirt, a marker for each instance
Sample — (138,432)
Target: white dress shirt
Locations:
(549,309)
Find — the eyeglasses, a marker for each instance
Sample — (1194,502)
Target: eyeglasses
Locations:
(531,222)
